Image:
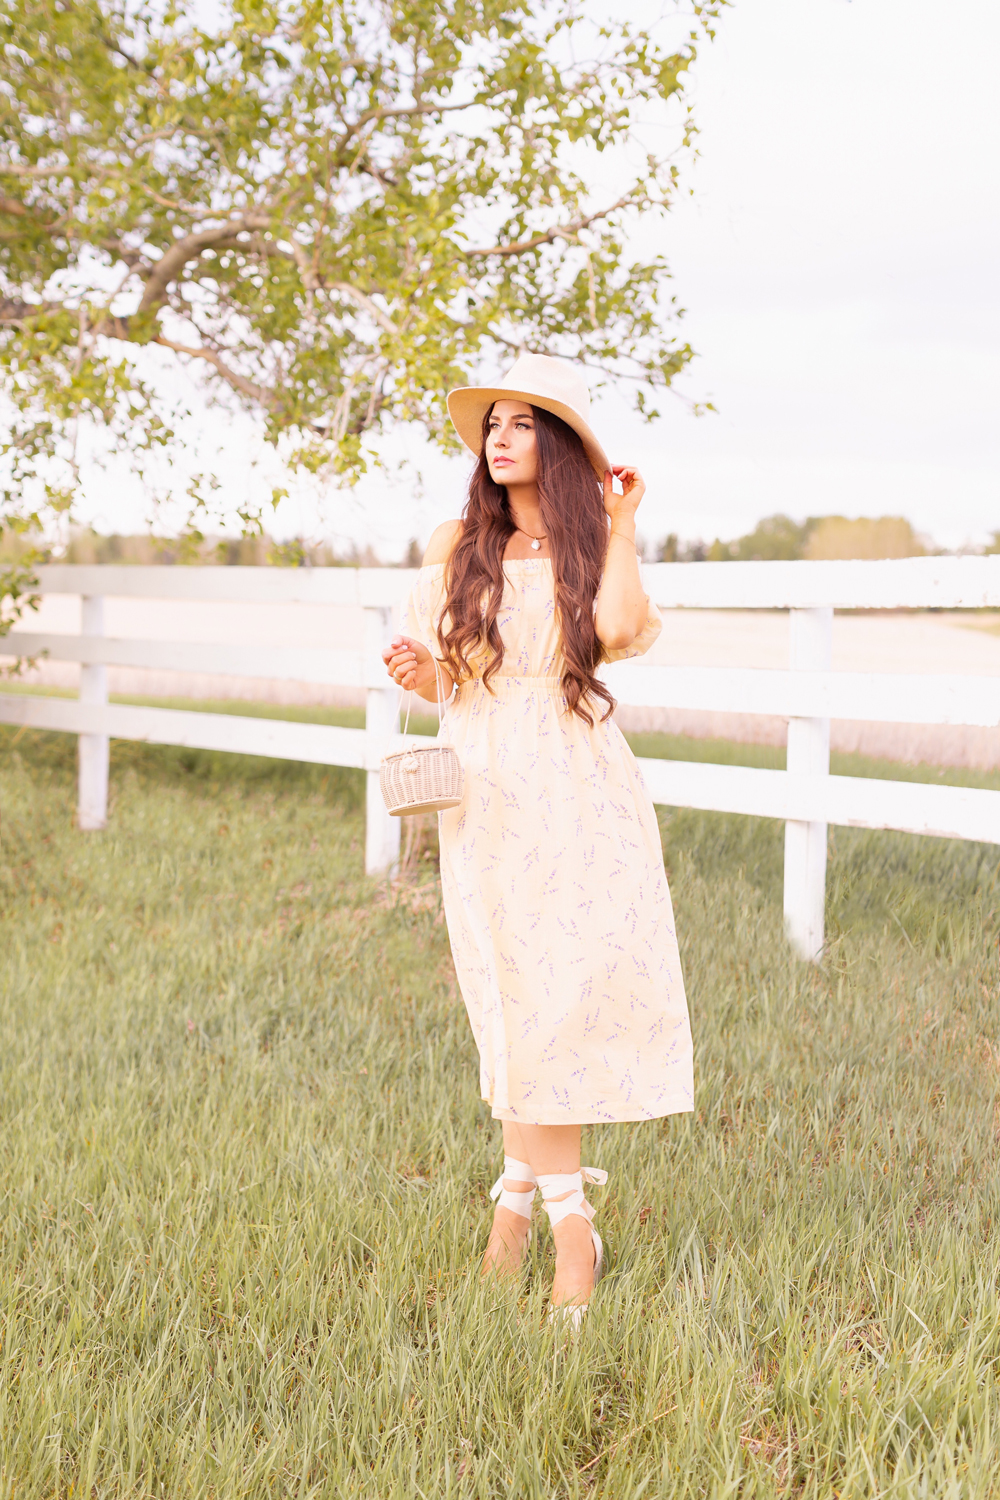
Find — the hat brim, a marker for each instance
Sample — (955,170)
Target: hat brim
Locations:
(468,405)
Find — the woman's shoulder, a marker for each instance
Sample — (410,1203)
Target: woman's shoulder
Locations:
(442,542)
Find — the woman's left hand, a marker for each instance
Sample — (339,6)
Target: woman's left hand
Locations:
(633,488)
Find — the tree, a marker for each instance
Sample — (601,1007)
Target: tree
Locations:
(779,538)
(884,536)
(334,211)
(672,549)
(17,584)
(774,537)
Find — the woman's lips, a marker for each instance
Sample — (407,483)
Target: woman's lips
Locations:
(502,462)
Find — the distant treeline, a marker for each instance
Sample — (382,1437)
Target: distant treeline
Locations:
(776,538)
(779,538)
(87,546)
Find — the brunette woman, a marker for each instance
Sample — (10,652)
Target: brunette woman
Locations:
(551,867)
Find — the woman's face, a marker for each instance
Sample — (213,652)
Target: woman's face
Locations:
(510,444)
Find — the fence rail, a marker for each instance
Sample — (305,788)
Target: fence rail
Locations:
(805,796)
(910,583)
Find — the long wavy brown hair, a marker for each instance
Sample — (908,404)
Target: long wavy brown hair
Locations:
(575,521)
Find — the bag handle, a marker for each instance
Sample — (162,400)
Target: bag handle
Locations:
(409,695)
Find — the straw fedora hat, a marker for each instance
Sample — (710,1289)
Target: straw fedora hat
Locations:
(553,384)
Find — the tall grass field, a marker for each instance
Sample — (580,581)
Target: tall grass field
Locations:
(245,1169)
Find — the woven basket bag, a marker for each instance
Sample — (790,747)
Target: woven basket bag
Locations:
(425,778)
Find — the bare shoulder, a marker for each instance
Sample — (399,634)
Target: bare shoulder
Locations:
(443,539)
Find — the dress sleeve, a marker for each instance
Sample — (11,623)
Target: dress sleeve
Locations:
(422,610)
(645,638)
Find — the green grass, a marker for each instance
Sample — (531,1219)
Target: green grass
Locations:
(245,1170)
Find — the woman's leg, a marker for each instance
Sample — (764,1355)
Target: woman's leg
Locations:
(556,1148)
(509,1234)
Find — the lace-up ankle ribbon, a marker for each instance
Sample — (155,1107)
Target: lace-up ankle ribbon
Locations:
(518,1203)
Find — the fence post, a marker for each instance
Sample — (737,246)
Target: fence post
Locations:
(381,721)
(811,640)
(93,752)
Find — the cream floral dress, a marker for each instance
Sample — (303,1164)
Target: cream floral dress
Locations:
(554,890)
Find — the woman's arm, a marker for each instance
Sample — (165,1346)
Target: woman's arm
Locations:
(620,607)
(408,661)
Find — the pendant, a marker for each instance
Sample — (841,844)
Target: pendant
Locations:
(536,545)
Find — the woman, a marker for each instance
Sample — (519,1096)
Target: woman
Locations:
(551,867)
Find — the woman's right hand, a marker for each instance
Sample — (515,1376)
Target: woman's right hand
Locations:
(409,664)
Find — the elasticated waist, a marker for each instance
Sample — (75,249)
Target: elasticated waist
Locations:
(511,684)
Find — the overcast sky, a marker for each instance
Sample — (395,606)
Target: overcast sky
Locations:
(838,260)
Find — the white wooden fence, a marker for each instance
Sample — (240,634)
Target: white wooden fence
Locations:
(805,796)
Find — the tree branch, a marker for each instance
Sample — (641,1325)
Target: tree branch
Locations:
(558,232)
(127,254)
(184,208)
(366,304)
(149,136)
(13,311)
(314,283)
(17,210)
(395,112)
(173,260)
(238,382)
(16,169)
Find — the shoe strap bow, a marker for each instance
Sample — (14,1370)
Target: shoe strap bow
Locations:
(555,1185)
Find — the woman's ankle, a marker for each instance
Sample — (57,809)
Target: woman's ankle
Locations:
(507,1222)
(511,1185)
(573,1237)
